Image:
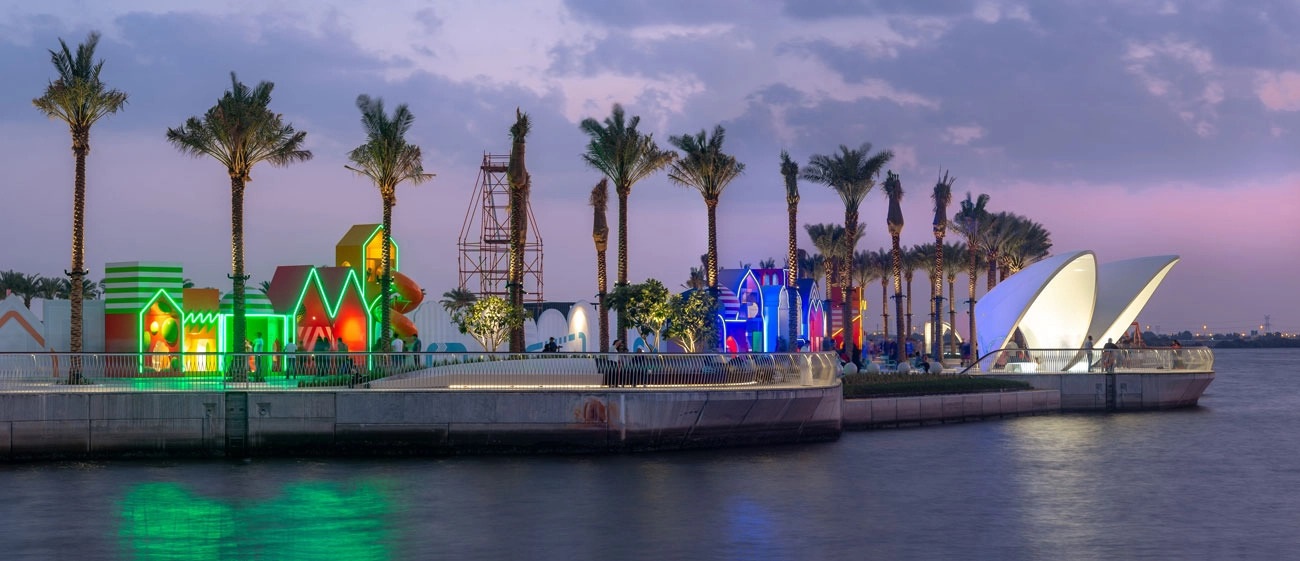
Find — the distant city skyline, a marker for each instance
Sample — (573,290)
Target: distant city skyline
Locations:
(1128,128)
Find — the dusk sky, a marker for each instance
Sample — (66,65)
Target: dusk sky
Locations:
(1129,128)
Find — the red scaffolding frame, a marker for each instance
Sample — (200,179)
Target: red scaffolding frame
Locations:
(484,243)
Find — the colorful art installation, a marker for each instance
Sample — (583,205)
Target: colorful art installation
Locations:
(754,307)
(361,249)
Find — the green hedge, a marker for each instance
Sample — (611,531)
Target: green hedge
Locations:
(893,385)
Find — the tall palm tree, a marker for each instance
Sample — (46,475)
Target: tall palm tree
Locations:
(920,256)
(520,185)
(809,267)
(827,238)
(239,132)
(790,172)
(79,98)
(600,235)
(624,155)
(865,272)
(1027,242)
(22,285)
(883,261)
(942,197)
(457,299)
(46,288)
(894,190)
(913,259)
(970,223)
(852,174)
(952,268)
(704,166)
(387,159)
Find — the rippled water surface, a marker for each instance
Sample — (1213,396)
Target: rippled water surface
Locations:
(1221,481)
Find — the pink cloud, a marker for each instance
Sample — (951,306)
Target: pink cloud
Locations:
(1279,91)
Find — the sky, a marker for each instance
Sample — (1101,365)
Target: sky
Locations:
(1130,128)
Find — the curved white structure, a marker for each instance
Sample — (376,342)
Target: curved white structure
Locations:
(1123,289)
(1051,302)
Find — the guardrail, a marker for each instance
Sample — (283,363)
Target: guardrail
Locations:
(1065,361)
(306,370)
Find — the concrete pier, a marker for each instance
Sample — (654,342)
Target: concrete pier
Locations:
(77,424)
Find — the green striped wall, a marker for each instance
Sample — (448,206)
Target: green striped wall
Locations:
(128,285)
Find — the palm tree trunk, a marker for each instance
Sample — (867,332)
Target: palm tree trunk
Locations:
(936,295)
(907,287)
(80,146)
(623,191)
(601,288)
(970,332)
(239,368)
(952,308)
(712,273)
(901,353)
(993,272)
(515,276)
(386,278)
(884,304)
(791,281)
(846,311)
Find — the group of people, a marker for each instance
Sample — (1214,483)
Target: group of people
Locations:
(287,358)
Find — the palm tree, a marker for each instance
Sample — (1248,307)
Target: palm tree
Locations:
(457,299)
(790,172)
(46,288)
(600,235)
(851,173)
(883,262)
(1027,242)
(704,166)
(970,223)
(827,238)
(952,268)
(79,98)
(89,289)
(387,159)
(239,132)
(920,256)
(894,190)
(914,258)
(520,185)
(865,272)
(21,285)
(624,155)
(942,197)
(265,287)
(699,278)
(809,265)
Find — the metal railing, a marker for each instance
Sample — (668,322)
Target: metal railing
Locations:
(1065,361)
(309,370)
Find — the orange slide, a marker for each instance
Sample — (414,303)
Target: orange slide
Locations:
(408,298)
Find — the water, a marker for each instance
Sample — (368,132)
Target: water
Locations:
(1221,481)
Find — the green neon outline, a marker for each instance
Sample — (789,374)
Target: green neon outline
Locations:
(222,333)
(332,311)
(139,327)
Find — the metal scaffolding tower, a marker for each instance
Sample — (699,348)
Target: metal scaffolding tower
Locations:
(484,241)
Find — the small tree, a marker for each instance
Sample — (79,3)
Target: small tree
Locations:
(693,321)
(488,321)
(645,307)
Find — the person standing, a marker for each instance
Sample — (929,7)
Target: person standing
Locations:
(416,349)
(398,346)
(289,349)
(1087,346)
(259,348)
(1108,358)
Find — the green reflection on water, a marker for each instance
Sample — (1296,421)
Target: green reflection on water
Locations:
(306,521)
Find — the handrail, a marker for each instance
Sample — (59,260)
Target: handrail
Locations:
(362,370)
(1098,360)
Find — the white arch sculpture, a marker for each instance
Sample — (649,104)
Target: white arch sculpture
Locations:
(1051,302)
(1123,289)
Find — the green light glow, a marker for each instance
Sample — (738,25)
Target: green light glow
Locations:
(305,521)
(331,312)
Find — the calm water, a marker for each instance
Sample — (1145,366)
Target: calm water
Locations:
(1221,481)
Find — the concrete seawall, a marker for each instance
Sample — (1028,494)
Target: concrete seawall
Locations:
(84,424)
(1127,391)
(883,412)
